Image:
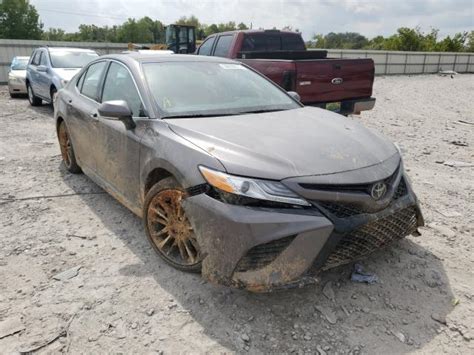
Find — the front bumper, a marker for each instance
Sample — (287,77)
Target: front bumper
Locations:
(262,249)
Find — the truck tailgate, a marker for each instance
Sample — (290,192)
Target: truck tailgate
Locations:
(331,80)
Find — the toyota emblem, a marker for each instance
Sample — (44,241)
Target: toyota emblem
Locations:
(378,190)
(337,81)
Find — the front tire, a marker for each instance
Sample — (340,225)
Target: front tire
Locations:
(53,94)
(67,150)
(167,227)
(14,96)
(34,100)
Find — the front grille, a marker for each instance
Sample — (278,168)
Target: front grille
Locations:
(344,210)
(341,210)
(401,190)
(372,236)
(263,254)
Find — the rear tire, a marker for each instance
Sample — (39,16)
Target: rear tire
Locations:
(14,96)
(167,227)
(34,100)
(67,150)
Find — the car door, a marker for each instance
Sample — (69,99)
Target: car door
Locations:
(118,151)
(82,114)
(44,77)
(32,70)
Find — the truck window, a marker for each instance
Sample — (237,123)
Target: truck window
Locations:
(273,43)
(223,46)
(292,43)
(254,43)
(206,46)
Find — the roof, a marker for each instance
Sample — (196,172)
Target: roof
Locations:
(166,57)
(257,31)
(69,49)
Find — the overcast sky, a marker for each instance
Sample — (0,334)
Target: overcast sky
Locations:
(369,17)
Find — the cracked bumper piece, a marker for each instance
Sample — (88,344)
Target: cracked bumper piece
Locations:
(264,249)
(255,248)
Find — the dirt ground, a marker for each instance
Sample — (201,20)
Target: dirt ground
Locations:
(125,299)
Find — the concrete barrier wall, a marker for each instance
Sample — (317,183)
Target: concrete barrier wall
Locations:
(386,62)
(405,63)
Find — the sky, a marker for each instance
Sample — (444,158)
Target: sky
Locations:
(368,17)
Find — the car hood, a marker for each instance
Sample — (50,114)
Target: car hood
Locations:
(66,73)
(18,73)
(278,145)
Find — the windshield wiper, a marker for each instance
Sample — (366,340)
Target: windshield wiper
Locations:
(198,115)
(262,111)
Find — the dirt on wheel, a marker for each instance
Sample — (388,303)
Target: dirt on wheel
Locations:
(78,275)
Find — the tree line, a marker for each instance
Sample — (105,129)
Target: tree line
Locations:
(20,20)
(406,39)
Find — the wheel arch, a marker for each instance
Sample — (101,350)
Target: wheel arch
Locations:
(155,171)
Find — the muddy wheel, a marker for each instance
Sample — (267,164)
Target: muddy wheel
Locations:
(34,101)
(67,151)
(167,227)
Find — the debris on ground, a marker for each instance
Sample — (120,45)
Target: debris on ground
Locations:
(328,291)
(11,326)
(457,164)
(41,343)
(327,313)
(359,275)
(67,274)
(460,143)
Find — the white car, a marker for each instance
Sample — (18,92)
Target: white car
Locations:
(17,76)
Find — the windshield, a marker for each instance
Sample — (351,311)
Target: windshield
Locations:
(71,59)
(19,63)
(187,89)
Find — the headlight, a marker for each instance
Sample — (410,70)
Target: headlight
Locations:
(253,188)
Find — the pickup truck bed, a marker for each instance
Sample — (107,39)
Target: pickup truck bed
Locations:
(283,58)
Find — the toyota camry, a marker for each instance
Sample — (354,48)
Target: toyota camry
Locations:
(231,175)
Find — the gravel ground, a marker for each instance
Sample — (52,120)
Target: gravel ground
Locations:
(125,299)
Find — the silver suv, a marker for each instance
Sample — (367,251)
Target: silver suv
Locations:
(49,69)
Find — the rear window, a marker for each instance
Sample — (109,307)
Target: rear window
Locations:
(272,42)
(223,46)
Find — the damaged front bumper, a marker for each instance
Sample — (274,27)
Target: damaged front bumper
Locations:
(264,249)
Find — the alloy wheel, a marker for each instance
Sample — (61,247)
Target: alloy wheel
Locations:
(65,145)
(170,229)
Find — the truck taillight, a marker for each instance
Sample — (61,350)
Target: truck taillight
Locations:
(289,80)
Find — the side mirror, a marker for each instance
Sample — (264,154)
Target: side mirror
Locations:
(42,68)
(294,95)
(119,110)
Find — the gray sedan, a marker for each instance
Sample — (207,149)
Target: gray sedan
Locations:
(17,76)
(232,176)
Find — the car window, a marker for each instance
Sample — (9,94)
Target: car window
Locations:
(223,46)
(91,81)
(205,48)
(254,43)
(36,58)
(19,63)
(80,81)
(43,60)
(119,85)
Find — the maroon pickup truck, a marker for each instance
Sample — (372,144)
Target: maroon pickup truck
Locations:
(343,85)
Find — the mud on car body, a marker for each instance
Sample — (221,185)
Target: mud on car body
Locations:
(232,176)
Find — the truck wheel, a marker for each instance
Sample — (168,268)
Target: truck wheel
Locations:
(34,101)
(167,227)
(67,151)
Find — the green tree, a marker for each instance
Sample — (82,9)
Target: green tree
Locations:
(54,34)
(19,20)
(470,42)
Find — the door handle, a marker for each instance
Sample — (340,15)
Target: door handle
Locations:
(69,102)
